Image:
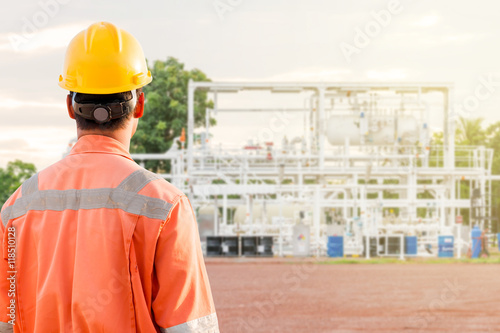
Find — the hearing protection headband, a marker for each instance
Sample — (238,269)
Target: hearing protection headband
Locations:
(102,113)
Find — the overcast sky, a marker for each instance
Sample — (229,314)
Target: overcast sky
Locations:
(270,40)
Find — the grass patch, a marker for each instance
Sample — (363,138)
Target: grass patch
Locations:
(350,261)
(360,261)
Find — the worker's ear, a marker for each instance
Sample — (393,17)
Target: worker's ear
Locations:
(69,105)
(139,107)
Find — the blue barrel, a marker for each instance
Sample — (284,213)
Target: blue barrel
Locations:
(476,241)
(445,246)
(498,238)
(335,246)
(411,245)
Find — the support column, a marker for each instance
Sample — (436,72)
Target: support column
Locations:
(449,129)
(280,200)
(190,125)
(224,209)
(216,216)
(321,127)
(442,217)
(402,247)
(453,200)
(317,218)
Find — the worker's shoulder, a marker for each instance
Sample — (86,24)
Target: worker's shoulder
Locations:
(12,199)
(26,188)
(158,187)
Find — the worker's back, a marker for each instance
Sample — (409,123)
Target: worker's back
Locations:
(102,245)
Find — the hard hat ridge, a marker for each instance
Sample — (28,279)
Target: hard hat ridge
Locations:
(110,29)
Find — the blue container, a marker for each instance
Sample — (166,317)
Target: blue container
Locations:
(335,246)
(476,241)
(445,246)
(498,238)
(411,245)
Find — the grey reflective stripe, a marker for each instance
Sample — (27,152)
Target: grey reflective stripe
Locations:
(111,198)
(207,324)
(30,186)
(137,180)
(6,215)
(6,327)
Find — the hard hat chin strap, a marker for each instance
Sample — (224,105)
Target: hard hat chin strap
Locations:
(102,113)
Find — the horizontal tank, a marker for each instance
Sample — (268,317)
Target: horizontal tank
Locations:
(340,128)
(378,130)
(288,211)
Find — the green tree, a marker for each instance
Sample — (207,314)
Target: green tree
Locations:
(13,176)
(165,111)
(493,134)
(470,132)
(437,138)
(436,153)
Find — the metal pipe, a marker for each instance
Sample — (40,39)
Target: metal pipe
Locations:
(321,127)
(190,124)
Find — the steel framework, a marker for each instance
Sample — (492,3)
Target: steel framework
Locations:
(365,165)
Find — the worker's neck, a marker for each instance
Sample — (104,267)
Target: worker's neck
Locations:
(121,135)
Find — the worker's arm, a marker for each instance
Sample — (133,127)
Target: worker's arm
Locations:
(183,300)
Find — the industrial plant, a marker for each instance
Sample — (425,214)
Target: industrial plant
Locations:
(338,169)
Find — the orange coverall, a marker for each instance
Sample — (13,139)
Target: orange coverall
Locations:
(96,243)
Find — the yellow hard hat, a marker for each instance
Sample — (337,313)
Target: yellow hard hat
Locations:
(104,60)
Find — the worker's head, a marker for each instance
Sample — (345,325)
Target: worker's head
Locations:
(105,71)
(106,112)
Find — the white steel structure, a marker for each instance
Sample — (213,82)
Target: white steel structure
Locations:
(363,166)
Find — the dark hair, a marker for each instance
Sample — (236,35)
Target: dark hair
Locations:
(113,124)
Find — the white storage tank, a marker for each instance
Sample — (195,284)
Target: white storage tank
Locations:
(289,211)
(379,130)
(340,128)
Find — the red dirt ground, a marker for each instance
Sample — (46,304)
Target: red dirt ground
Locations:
(278,296)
